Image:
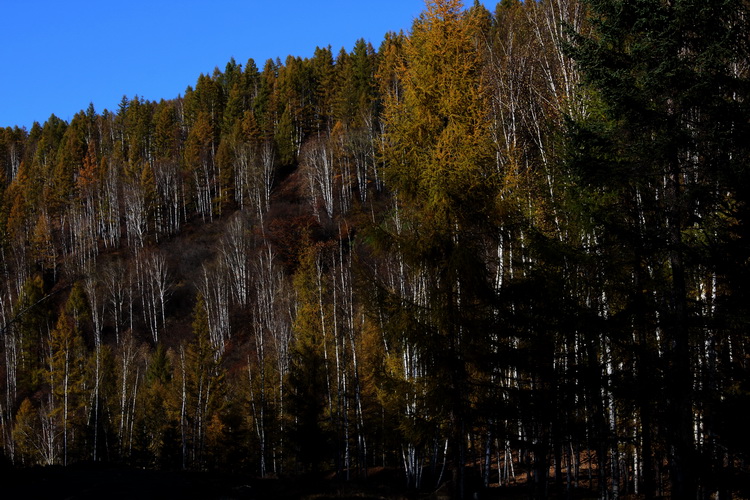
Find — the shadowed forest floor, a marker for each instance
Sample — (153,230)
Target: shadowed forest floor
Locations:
(96,481)
(88,481)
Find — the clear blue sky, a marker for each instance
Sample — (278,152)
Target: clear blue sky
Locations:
(56,56)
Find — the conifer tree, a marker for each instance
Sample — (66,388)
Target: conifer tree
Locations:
(33,318)
(439,164)
(204,383)
(160,418)
(26,433)
(310,391)
(200,165)
(66,370)
(658,161)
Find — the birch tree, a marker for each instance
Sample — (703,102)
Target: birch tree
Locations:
(157,290)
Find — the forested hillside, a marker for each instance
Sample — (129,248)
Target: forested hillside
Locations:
(505,248)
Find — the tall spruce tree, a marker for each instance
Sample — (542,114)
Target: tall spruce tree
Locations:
(660,159)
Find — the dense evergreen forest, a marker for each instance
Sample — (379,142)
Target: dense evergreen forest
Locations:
(505,248)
